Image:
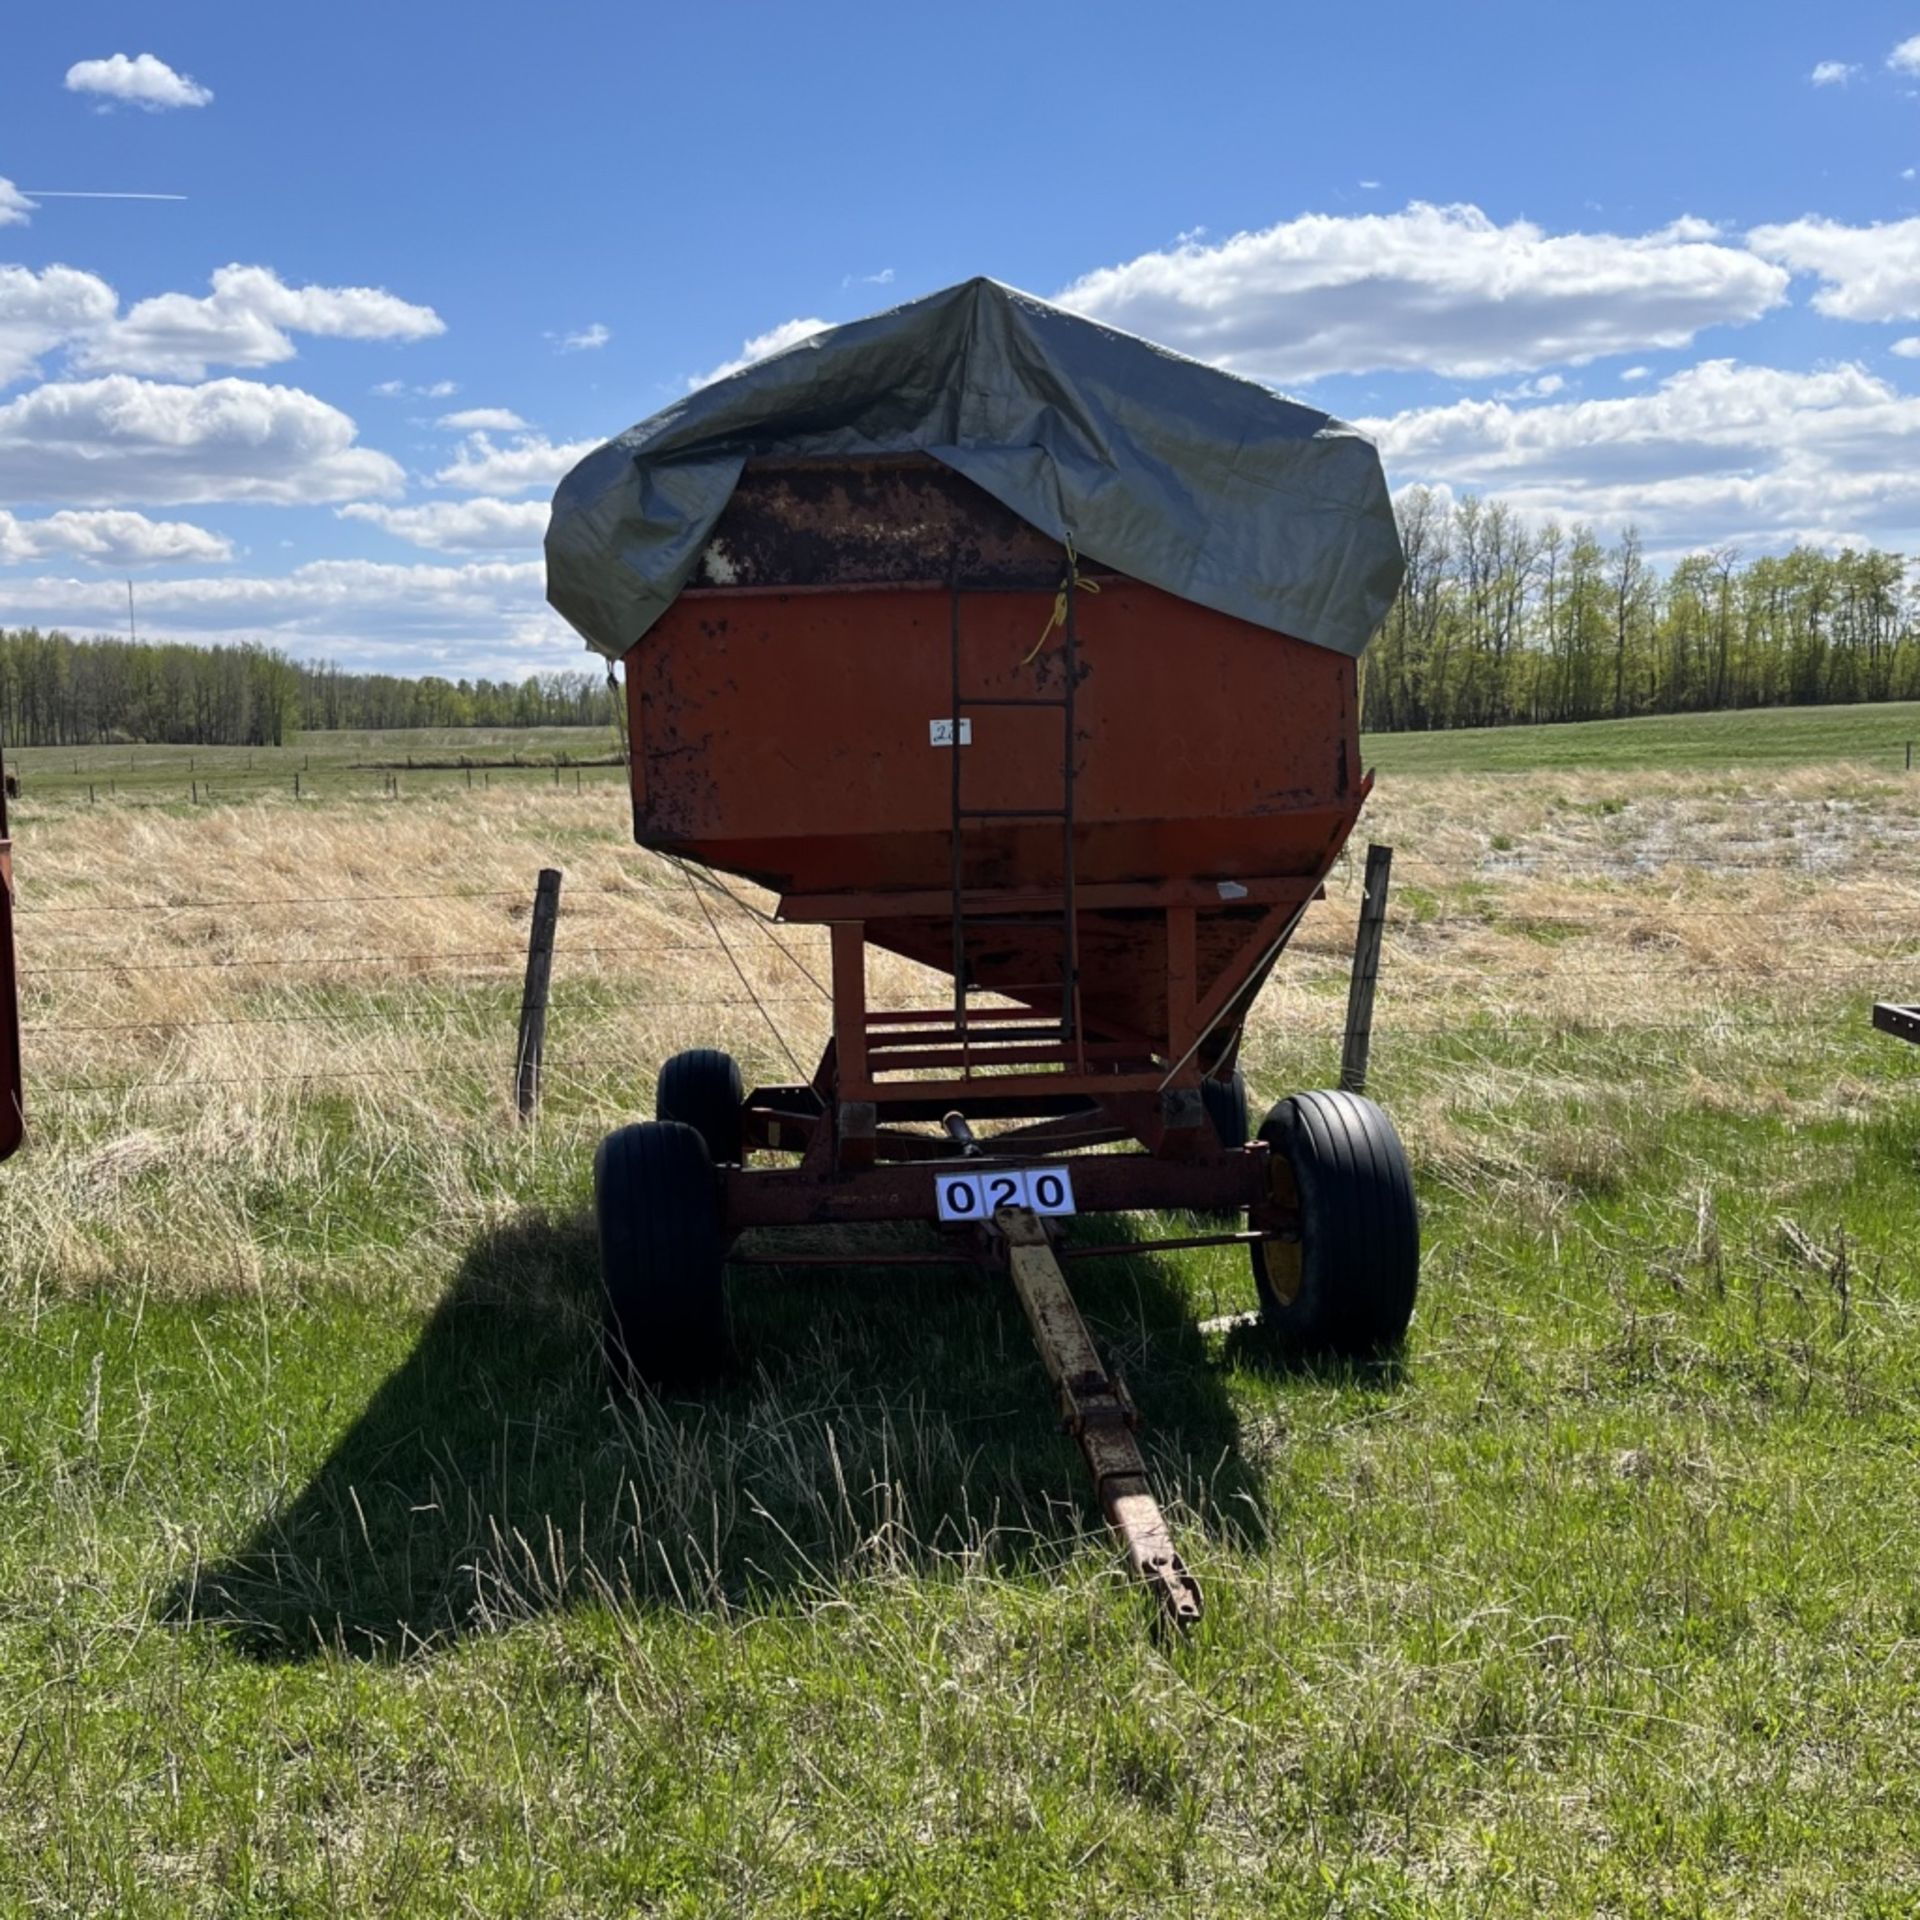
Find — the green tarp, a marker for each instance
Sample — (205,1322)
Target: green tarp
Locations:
(1201,483)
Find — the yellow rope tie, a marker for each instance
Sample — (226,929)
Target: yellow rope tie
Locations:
(1058,617)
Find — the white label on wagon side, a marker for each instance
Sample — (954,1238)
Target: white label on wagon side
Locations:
(940,733)
(979,1196)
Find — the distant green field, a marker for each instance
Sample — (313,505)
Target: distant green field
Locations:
(361,761)
(357,761)
(1875,736)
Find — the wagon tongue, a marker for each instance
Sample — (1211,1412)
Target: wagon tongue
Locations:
(1095,1409)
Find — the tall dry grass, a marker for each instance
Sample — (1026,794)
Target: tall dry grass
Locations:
(271,1041)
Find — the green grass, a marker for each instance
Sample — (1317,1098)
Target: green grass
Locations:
(328,764)
(1873,736)
(333,1582)
(1600,1601)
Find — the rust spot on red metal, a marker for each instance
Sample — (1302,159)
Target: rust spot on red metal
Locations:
(847,523)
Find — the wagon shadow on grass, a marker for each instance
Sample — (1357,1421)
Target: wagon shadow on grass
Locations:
(882,1421)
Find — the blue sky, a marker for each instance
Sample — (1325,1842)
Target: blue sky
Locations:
(1647,264)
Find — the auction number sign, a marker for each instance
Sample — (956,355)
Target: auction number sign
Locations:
(979,1196)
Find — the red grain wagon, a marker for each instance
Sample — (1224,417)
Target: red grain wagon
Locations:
(992,638)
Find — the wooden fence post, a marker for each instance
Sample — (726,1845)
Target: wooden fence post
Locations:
(533,1001)
(1366,971)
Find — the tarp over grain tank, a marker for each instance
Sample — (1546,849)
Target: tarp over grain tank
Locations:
(1198,482)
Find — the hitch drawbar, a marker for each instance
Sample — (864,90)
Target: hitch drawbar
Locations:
(1095,1409)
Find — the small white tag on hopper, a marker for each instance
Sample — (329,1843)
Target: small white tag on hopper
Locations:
(940,733)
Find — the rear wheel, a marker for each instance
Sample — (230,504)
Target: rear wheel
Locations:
(1226,1105)
(1347,1285)
(702,1089)
(662,1265)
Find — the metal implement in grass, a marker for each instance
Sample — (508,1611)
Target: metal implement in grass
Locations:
(1902,1022)
(12,1107)
(1098,803)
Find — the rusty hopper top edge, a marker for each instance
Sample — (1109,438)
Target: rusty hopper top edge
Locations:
(1206,485)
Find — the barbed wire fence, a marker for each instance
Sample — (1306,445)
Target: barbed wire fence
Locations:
(67,940)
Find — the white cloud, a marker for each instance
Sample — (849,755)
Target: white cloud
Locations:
(1544,388)
(143,81)
(1866,273)
(321,586)
(1631,374)
(763,346)
(399,390)
(245,322)
(40,310)
(479,525)
(884,278)
(115,441)
(112,538)
(532,461)
(582,340)
(14,205)
(1717,452)
(470,618)
(1905,58)
(1907,349)
(1433,288)
(484,420)
(1832,73)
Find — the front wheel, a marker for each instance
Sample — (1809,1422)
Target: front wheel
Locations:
(662,1265)
(1347,1285)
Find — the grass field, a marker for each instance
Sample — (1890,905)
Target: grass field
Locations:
(1875,737)
(333,1583)
(324,766)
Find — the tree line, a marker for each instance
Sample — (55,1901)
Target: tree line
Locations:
(59,691)
(1503,619)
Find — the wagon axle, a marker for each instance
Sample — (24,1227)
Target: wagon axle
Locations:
(1323,1191)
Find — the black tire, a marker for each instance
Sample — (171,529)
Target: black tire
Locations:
(1226,1105)
(702,1089)
(662,1266)
(1347,1287)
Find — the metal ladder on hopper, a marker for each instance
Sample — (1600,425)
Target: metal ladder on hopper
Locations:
(1067,1032)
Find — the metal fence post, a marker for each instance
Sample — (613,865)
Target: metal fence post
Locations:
(533,1001)
(1366,971)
